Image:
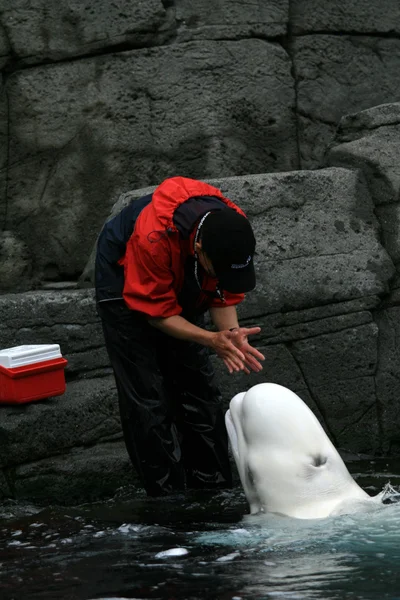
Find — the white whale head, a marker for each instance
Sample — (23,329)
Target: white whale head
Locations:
(285,460)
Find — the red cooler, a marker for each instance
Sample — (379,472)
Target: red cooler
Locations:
(32,372)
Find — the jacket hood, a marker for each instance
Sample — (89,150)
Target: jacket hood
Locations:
(172,192)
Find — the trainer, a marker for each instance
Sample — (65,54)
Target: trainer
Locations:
(161,264)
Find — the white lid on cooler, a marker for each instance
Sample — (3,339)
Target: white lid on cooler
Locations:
(19,356)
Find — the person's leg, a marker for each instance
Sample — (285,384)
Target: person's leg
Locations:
(200,417)
(146,415)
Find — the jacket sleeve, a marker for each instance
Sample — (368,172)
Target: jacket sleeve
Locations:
(230,300)
(149,281)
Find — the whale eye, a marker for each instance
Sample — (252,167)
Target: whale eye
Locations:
(319,461)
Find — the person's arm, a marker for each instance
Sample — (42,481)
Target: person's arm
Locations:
(178,327)
(224,317)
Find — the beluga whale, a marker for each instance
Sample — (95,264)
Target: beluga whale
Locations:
(286,462)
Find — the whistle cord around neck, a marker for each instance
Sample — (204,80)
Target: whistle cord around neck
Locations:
(219,292)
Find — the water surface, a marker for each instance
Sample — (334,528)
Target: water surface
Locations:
(200,546)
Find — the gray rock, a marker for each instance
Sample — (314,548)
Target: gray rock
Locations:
(3,152)
(47,31)
(15,262)
(319,352)
(82,475)
(87,278)
(279,367)
(46,308)
(387,377)
(42,30)
(3,194)
(225,19)
(339,370)
(327,354)
(67,318)
(352,414)
(93,362)
(5,490)
(337,75)
(357,125)
(317,238)
(4,46)
(339,356)
(85,415)
(361,16)
(370,141)
(84,131)
(60,285)
(74,136)
(332,372)
(298,325)
(389,218)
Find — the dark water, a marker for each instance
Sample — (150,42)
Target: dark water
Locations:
(200,546)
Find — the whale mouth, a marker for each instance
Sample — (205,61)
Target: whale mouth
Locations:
(232,435)
(245,472)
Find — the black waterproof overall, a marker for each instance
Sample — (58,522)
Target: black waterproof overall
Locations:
(170,407)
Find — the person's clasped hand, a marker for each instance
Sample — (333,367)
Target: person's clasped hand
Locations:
(236,352)
(239,338)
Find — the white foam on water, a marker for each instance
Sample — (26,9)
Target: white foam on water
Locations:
(228,557)
(129,528)
(172,552)
(17,543)
(291,595)
(376,531)
(134,528)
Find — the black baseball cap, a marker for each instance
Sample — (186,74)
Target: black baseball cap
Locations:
(228,240)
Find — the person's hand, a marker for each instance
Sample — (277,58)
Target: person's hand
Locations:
(232,356)
(236,352)
(239,338)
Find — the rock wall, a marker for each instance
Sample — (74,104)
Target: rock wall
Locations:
(97,98)
(327,300)
(370,142)
(290,107)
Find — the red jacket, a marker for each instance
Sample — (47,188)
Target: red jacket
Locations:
(156,253)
